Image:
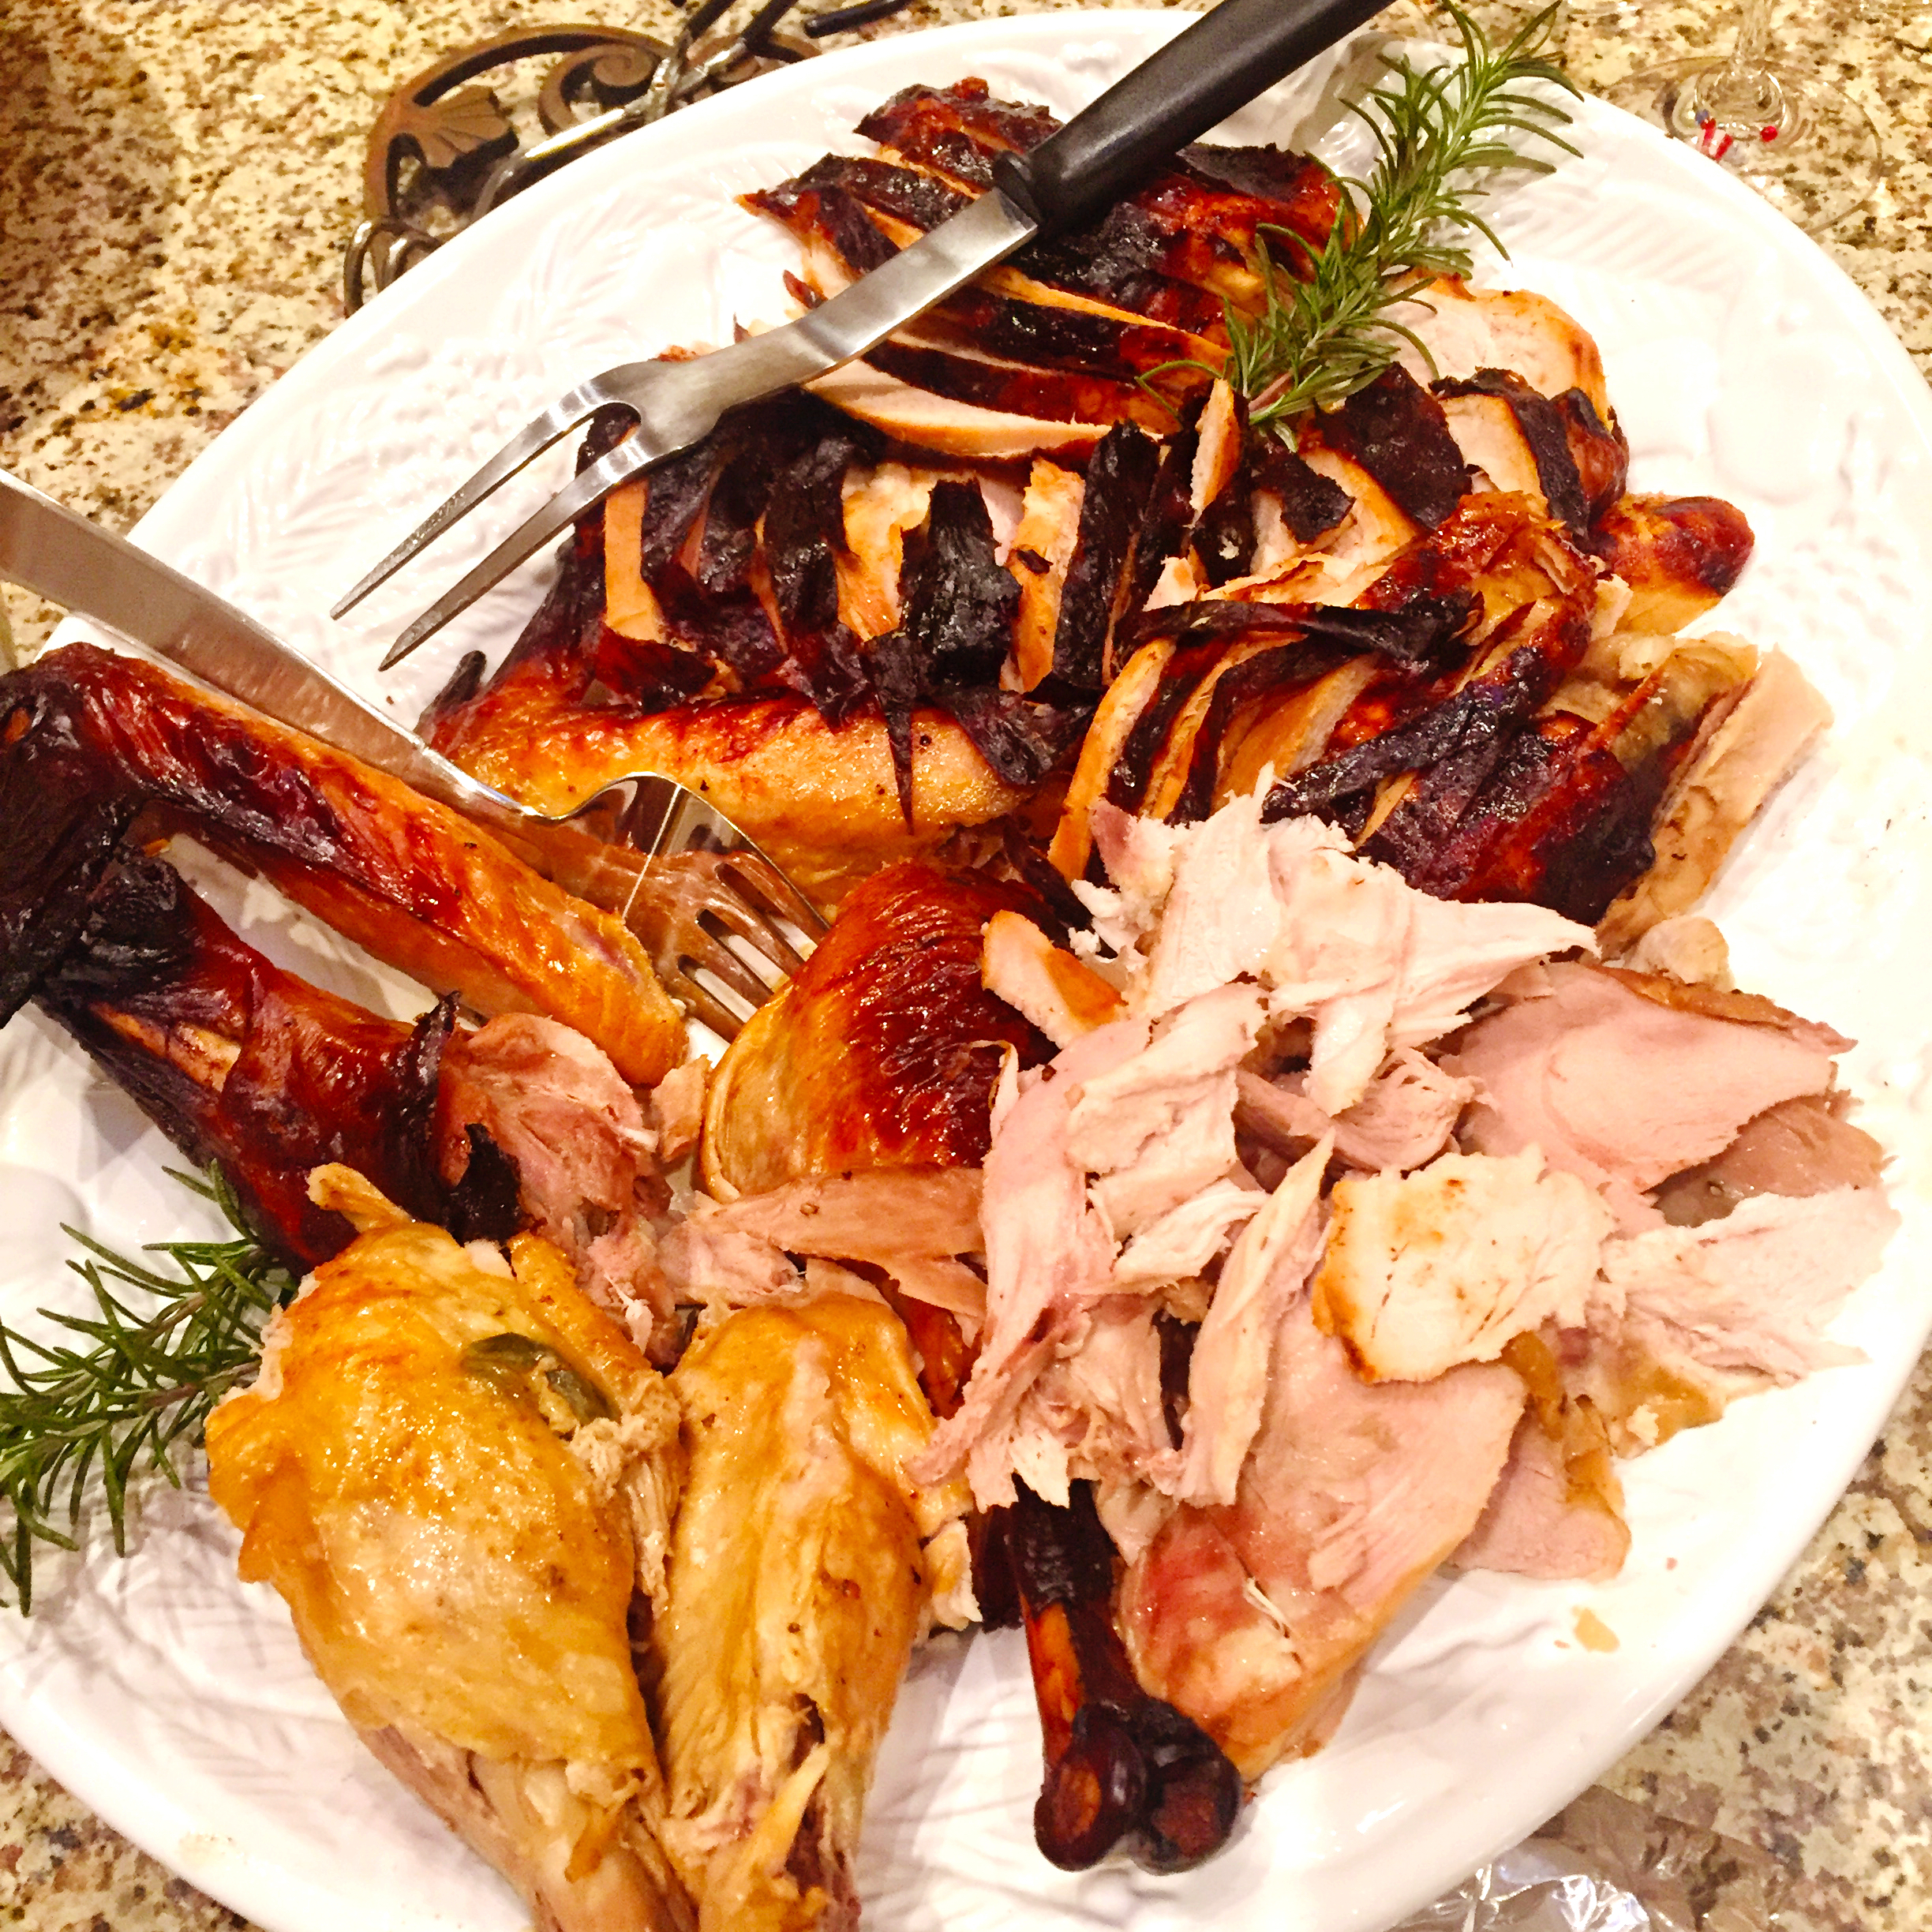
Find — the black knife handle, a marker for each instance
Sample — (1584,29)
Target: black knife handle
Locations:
(1199,78)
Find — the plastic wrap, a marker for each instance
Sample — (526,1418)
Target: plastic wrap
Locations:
(1605,1865)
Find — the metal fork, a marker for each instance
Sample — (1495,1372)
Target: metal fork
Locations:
(722,924)
(1198,78)
(720,921)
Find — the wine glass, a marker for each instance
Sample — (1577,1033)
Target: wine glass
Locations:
(1799,139)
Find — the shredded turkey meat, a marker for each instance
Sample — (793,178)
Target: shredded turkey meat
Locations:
(1424,1274)
(554,1104)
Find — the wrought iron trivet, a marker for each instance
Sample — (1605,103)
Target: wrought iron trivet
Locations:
(444,151)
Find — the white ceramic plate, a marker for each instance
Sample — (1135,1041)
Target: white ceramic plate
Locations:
(176,1702)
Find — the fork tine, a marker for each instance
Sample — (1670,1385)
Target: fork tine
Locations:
(704,1006)
(750,871)
(754,924)
(529,443)
(714,955)
(628,459)
(741,920)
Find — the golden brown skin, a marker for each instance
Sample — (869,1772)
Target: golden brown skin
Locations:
(799,1576)
(459,1545)
(882,1053)
(1679,555)
(416,883)
(819,799)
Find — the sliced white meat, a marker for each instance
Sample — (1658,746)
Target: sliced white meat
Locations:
(1467,329)
(881,505)
(555,1104)
(1754,1290)
(1741,760)
(1180,582)
(1556,1512)
(1713,1312)
(1404,1119)
(1278,1114)
(1218,453)
(1450,1263)
(1287,732)
(1252,1619)
(1799,1147)
(1049,1260)
(1486,431)
(928,422)
(949,1285)
(1061,997)
(1158,1129)
(1181,1243)
(630,606)
(909,1222)
(1043,546)
(1228,1371)
(1343,562)
(1622,1089)
(1121,707)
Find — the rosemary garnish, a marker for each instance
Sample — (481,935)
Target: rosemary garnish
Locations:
(1322,336)
(135,1383)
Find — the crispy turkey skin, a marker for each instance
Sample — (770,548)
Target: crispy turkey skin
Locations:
(803,1566)
(460,1478)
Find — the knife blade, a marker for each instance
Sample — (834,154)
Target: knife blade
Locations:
(48,549)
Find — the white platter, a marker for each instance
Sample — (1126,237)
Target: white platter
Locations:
(176,1703)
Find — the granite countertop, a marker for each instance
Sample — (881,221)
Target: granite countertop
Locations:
(177,178)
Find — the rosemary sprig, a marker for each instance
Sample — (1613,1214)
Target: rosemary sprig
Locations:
(135,1384)
(1322,336)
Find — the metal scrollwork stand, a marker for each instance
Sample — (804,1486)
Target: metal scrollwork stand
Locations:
(444,151)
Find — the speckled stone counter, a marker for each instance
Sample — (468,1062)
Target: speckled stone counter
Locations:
(177,178)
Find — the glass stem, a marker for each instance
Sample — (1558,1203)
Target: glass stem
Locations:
(1743,91)
(1747,52)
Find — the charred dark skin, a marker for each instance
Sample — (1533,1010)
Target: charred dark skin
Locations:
(1396,430)
(1123,1769)
(1212,206)
(1120,477)
(238,1061)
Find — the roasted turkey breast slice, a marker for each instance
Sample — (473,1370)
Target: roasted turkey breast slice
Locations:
(1621,1089)
(1746,752)
(1253,1618)
(1466,330)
